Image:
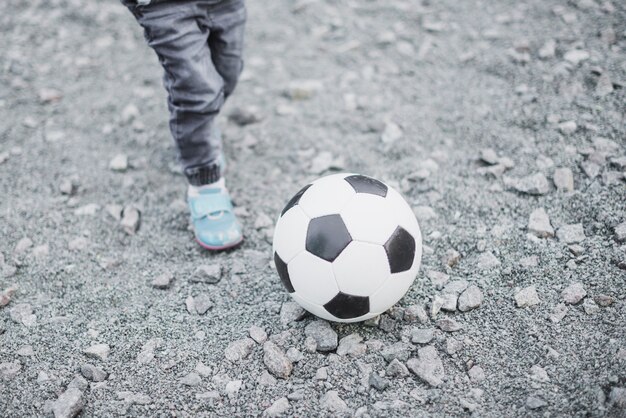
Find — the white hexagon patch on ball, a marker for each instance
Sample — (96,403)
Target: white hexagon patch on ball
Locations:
(347,247)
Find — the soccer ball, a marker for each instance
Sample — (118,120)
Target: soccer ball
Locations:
(347,247)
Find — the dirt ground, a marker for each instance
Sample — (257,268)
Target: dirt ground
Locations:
(480,113)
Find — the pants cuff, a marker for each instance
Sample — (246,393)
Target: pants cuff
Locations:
(199,176)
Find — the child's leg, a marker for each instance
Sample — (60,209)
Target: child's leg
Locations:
(195,88)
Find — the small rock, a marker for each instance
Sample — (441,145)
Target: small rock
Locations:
(455,287)
(303,89)
(396,369)
(620,232)
(26,351)
(487,261)
(590,307)
(350,345)
(78,382)
(69,404)
(422,336)
(324,335)
(571,234)
(279,407)
(266,379)
(568,127)
(146,354)
(448,325)
(22,246)
(49,95)
(448,302)
(527,297)
(291,312)
(93,373)
(539,224)
(202,303)
(276,361)
(476,374)
(331,402)
(324,161)
(424,213)
(245,116)
(98,351)
(539,374)
(534,184)
(489,156)
(617,399)
(129,113)
(5,297)
(233,387)
(428,366)
(399,350)
(563,179)
(131,218)
(573,293)
(451,258)
(576,56)
(377,382)
(89,209)
(163,281)
(207,273)
(294,355)
(203,370)
(22,313)
(258,334)
(9,370)
(239,350)
(119,163)
(392,133)
(558,313)
(453,345)
(321,373)
(604,300)
(547,50)
(470,299)
(437,278)
(67,187)
(415,312)
(533,402)
(191,379)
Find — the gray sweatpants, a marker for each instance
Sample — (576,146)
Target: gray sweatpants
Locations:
(199,43)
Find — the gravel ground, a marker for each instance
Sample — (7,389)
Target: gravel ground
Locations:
(501,122)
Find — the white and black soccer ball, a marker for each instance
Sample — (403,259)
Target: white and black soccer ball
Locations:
(347,247)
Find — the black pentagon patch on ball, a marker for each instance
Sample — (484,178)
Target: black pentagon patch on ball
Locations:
(364,184)
(295,199)
(400,250)
(346,306)
(281,267)
(327,236)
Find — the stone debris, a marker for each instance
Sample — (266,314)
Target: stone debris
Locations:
(534,184)
(576,56)
(323,334)
(470,299)
(22,246)
(49,95)
(6,295)
(590,307)
(233,387)
(294,355)
(527,297)
(325,161)
(207,273)
(331,402)
(276,361)
(422,336)
(258,334)
(415,313)
(558,313)
(620,232)
(448,325)
(41,251)
(291,312)
(351,345)
(69,404)
(146,354)
(191,379)
(377,382)
(163,281)
(489,156)
(451,258)
(239,349)
(279,407)
(428,366)
(424,213)
(448,302)
(453,345)
(539,224)
(396,369)
(98,351)
(455,287)
(476,374)
(303,89)
(568,127)
(22,313)
(321,373)
(89,209)
(198,304)
(245,116)
(571,234)
(617,399)
(563,179)
(399,350)
(119,163)
(487,261)
(547,50)
(93,373)
(437,278)
(539,374)
(26,351)
(573,293)
(532,402)
(9,370)
(131,219)
(78,382)
(134,398)
(392,133)
(266,379)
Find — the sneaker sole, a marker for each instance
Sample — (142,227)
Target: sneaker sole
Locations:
(219,248)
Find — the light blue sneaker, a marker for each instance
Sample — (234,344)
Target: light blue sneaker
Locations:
(214,222)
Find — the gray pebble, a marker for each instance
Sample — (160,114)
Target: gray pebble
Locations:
(93,373)
(324,335)
(415,312)
(590,307)
(539,224)
(69,404)
(396,369)
(331,402)
(9,370)
(119,163)
(620,232)
(203,370)
(258,334)
(422,336)
(98,351)
(279,407)
(294,355)
(558,313)
(563,179)
(574,293)
(428,366)
(534,184)
(131,219)
(453,345)
(448,325)
(351,345)
(290,312)
(163,281)
(276,361)
(533,402)
(377,382)
(476,374)
(399,350)
(266,379)
(239,350)
(571,234)
(78,382)
(527,297)
(207,273)
(470,299)
(191,379)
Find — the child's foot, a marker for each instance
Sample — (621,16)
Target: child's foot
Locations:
(214,223)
